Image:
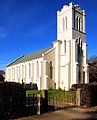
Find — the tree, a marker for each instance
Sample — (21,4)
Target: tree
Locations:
(2,72)
(92,69)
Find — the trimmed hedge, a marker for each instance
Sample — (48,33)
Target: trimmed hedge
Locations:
(88,93)
(12,100)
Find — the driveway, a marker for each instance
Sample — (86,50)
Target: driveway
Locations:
(66,114)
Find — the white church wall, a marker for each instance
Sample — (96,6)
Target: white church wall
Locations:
(57,46)
(18,77)
(50,57)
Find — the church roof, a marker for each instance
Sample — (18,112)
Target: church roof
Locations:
(29,57)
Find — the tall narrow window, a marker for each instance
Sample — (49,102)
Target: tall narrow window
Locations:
(79,76)
(37,69)
(29,70)
(76,51)
(81,26)
(81,47)
(12,74)
(22,71)
(25,70)
(33,70)
(17,71)
(64,46)
(79,23)
(51,70)
(66,22)
(63,24)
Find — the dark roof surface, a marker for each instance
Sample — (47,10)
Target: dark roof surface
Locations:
(30,57)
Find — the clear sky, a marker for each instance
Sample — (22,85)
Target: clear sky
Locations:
(30,25)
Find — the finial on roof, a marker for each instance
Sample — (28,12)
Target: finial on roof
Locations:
(84,12)
(71,4)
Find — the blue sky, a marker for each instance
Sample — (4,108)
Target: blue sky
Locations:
(30,25)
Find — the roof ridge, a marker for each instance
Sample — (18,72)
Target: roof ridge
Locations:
(29,57)
(39,50)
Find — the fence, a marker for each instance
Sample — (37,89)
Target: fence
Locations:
(37,103)
(48,101)
(61,100)
(33,102)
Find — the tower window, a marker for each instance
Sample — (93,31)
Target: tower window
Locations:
(81,26)
(77,22)
(81,47)
(63,24)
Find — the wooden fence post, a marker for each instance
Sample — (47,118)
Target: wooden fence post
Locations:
(38,109)
(78,97)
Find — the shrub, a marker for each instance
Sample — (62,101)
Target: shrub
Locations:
(88,93)
(12,100)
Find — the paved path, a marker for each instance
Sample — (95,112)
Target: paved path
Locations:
(66,114)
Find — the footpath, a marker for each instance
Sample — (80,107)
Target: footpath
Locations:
(66,114)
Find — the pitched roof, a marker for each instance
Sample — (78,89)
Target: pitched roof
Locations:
(30,57)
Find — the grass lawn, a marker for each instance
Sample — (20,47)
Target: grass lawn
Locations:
(53,94)
(59,94)
(32,92)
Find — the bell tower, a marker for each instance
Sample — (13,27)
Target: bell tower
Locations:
(71,32)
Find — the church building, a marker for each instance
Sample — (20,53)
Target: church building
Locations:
(61,65)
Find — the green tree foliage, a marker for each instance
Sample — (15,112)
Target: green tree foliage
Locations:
(92,69)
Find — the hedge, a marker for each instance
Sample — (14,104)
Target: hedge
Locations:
(12,100)
(88,93)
